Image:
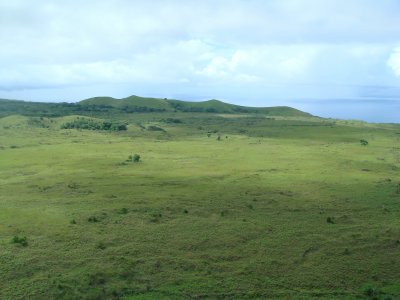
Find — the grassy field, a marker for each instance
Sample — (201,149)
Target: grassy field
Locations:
(277,207)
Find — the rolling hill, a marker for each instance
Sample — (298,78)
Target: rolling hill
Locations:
(136,104)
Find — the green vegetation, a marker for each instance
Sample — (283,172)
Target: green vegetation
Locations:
(91,124)
(289,206)
(134,158)
(107,106)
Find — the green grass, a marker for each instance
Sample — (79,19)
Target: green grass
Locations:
(243,217)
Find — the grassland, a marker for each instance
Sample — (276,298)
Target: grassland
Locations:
(277,207)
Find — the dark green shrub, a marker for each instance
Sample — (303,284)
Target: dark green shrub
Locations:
(90,124)
(155,218)
(73,221)
(123,211)
(370,291)
(100,245)
(154,128)
(93,219)
(23,241)
(363,142)
(330,220)
(136,158)
(172,120)
(133,158)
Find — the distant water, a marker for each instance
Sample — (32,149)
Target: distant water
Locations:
(370,110)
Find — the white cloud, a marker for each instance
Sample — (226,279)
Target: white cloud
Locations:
(394,61)
(231,44)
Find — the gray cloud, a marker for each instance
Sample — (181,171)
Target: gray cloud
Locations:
(193,46)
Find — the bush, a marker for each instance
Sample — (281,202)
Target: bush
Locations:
(101,246)
(123,211)
(93,219)
(330,220)
(23,241)
(154,128)
(134,158)
(172,120)
(363,142)
(90,124)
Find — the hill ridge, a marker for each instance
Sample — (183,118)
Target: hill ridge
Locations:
(137,104)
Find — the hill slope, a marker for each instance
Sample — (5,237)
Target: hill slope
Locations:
(139,104)
(135,104)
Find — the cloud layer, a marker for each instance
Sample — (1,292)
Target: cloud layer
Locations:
(261,49)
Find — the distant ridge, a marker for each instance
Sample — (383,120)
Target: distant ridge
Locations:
(143,104)
(136,104)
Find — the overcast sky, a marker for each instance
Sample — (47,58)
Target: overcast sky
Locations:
(248,52)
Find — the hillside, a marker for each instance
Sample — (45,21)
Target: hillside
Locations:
(141,104)
(219,204)
(136,104)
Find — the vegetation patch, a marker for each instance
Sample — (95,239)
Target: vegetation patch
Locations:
(91,124)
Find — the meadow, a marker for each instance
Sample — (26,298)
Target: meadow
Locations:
(219,206)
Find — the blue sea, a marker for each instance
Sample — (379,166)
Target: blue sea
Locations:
(370,110)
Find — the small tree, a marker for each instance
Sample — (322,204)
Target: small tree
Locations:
(364,142)
(136,158)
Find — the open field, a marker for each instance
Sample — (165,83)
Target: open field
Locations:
(277,207)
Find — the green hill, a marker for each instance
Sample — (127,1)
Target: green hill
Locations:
(136,104)
(140,104)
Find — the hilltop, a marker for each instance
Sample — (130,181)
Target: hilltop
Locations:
(136,104)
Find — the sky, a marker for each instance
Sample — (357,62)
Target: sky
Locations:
(250,52)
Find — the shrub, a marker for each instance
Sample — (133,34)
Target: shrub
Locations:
(23,241)
(133,158)
(90,124)
(154,128)
(73,221)
(155,218)
(101,246)
(363,142)
(172,120)
(93,219)
(370,291)
(123,211)
(330,220)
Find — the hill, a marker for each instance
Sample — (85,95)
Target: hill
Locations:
(136,104)
(141,104)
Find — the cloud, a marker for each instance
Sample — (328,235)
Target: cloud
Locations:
(199,44)
(394,61)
